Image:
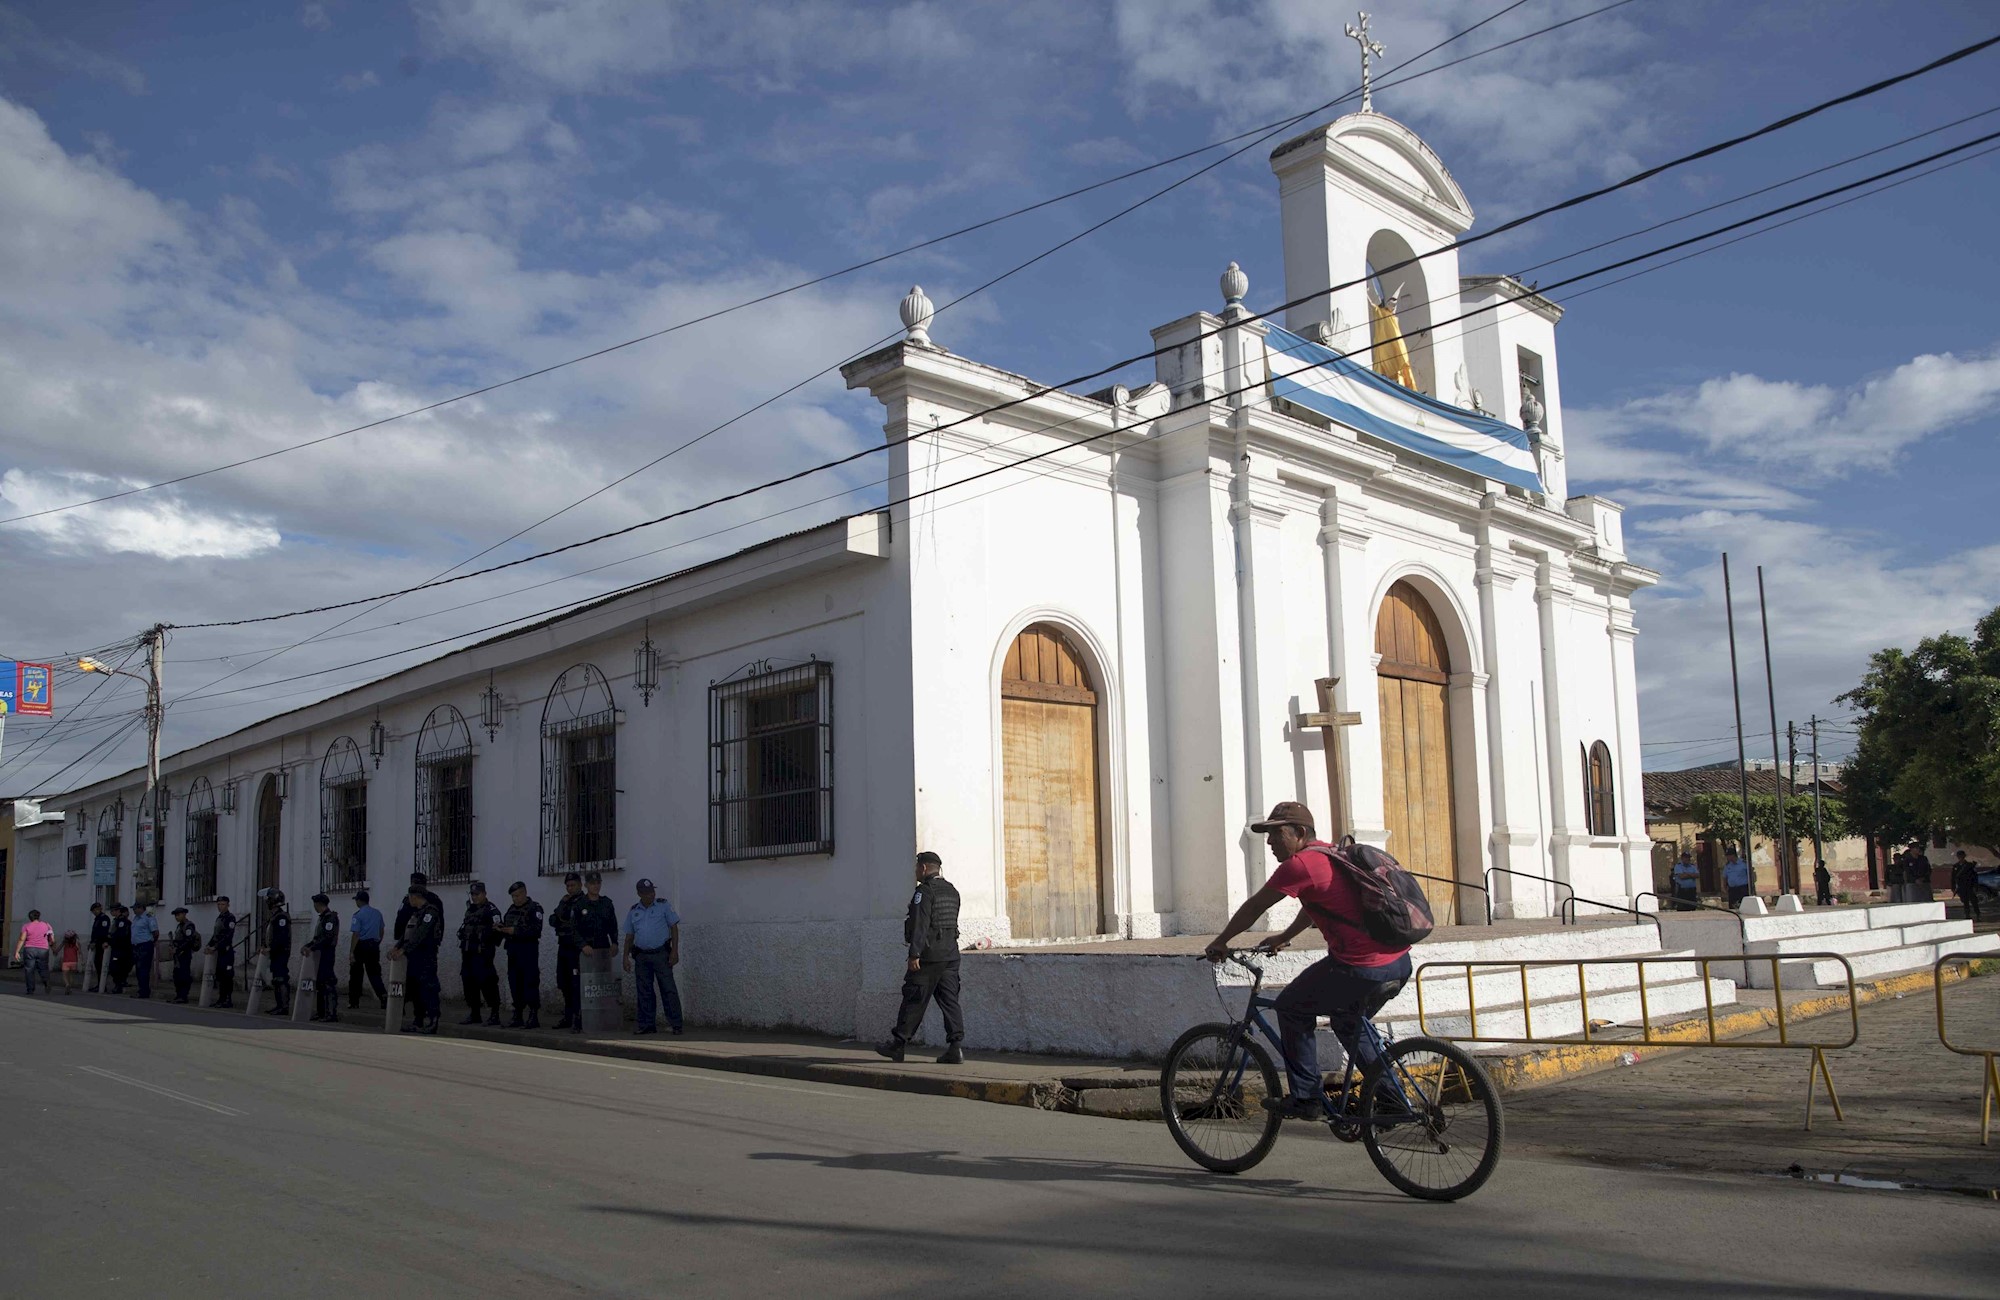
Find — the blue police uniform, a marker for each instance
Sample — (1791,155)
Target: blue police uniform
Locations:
(651,931)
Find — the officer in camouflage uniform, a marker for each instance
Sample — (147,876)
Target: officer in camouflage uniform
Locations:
(324,942)
(475,956)
(930,933)
(419,945)
(563,922)
(522,927)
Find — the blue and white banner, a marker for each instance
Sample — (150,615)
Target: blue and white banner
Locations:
(1320,379)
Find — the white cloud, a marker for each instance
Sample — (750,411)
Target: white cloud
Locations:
(144,525)
(1813,427)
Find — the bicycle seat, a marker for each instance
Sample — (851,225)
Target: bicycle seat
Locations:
(1384,997)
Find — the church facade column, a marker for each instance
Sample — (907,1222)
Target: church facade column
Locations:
(1344,536)
(1554,597)
(1256,514)
(1630,791)
(1513,841)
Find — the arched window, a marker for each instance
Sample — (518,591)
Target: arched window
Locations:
(343,817)
(1600,808)
(444,795)
(202,843)
(110,844)
(579,773)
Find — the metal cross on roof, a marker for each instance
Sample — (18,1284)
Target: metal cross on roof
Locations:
(1370,47)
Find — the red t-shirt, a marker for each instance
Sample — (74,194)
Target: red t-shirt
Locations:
(1311,877)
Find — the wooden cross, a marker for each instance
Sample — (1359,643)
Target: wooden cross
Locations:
(1329,723)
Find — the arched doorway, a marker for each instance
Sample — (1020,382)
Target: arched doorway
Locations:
(1048,746)
(1412,687)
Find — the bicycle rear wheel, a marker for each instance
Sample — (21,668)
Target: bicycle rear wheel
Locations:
(1431,1120)
(1212,1093)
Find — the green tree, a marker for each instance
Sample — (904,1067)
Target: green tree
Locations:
(1928,761)
(1721,815)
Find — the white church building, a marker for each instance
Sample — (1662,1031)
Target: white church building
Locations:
(1075,656)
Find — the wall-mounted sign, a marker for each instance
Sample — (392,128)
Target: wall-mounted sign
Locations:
(104,870)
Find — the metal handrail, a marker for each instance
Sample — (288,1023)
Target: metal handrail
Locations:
(1742,930)
(1569,905)
(1458,884)
(1525,875)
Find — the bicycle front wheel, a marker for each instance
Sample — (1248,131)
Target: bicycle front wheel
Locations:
(1431,1120)
(1212,1093)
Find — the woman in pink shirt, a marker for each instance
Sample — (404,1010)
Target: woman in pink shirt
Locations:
(32,949)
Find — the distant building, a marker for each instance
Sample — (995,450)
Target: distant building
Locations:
(1669,795)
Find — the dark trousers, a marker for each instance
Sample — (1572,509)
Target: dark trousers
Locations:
(568,981)
(481,981)
(367,958)
(183,975)
(281,981)
(1969,898)
(1685,897)
(422,980)
(1737,893)
(1823,892)
(225,982)
(1346,995)
(524,976)
(932,979)
(326,987)
(651,969)
(142,957)
(97,955)
(121,966)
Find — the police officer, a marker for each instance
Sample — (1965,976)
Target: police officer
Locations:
(596,928)
(100,943)
(475,956)
(277,939)
(421,894)
(121,946)
(1687,882)
(563,921)
(364,954)
(423,934)
(930,936)
(522,927)
(184,941)
(145,938)
(324,942)
(222,942)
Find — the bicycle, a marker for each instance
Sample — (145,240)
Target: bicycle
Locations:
(1428,1114)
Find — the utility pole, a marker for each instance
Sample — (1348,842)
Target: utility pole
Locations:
(1819,848)
(1787,881)
(1736,693)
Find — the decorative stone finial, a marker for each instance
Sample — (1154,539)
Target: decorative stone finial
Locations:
(1234,285)
(1532,414)
(917,312)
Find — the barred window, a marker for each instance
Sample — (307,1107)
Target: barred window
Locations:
(579,774)
(202,842)
(770,735)
(343,817)
(79,861)
(444,796)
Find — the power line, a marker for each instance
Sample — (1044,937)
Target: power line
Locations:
(808,283)
(1039,391)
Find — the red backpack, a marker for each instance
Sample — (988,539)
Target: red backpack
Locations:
(1394,911)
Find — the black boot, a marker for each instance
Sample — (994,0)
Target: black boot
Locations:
(953,1055)
(493,1018)
(534,1018)
(515,1021)
(566,1021)
(893,1049)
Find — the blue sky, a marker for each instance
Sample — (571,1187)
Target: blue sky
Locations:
(237,226)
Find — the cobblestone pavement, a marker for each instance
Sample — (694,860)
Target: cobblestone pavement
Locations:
(1912,1107)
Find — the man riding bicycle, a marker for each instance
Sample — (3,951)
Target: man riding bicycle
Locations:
(1356,977)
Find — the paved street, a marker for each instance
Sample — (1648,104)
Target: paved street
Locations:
(175,1149)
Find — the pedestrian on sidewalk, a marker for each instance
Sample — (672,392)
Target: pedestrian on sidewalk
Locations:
(419,889)
(522,929)
(653,938)
(278,948)
(423,935)
(71,959)
(145,938)
(32,950)
(1686,882)
(100,945)
(1822,884)
(121,946)
(563,921)
(364,952)
(186,942)
(475,956)
(930,939)
(1736,877)
(222,944)
(1965,883)
(325,940)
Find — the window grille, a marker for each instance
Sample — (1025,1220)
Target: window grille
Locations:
(79,861)
(770,736)
(110,844)
(579,774)
(198,811)
(444,796)
(1600,809)
(343,817)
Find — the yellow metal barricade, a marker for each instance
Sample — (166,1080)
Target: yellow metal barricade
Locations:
(1989,1087)
(1696,1033)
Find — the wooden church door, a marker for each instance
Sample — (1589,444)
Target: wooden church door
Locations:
(1048,746)
(1412,682)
